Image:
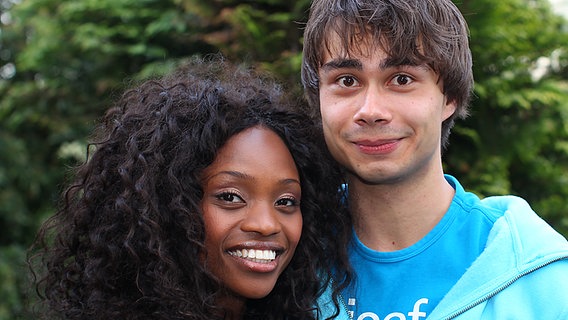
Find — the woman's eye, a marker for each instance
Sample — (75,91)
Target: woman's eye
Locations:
(287,202)
(401,80)
(229,197)
(347,81)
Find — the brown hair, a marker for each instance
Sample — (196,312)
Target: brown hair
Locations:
(431,32)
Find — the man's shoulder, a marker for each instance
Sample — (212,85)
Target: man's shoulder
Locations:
(540,294)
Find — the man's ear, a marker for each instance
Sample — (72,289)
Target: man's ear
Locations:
(449,109)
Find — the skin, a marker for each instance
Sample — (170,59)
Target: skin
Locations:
(251,201)
(382,122)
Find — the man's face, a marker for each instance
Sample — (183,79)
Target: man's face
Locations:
(381,121)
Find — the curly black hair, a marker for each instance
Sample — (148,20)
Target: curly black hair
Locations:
(125,240)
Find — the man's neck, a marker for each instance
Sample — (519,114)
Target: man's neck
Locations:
(395,216)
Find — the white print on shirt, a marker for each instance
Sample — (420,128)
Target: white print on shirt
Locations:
(415,314)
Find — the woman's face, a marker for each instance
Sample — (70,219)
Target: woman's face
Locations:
(251,209)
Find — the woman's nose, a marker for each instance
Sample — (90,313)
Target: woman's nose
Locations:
(261,218)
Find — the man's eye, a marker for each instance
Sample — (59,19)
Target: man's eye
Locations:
(401,80)
(229,197)
(347,81)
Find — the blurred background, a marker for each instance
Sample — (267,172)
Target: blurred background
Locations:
(63,62)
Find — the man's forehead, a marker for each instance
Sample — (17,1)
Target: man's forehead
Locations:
(341,50)
(339,54)
(341,47)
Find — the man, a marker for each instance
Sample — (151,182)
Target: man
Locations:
(389,78)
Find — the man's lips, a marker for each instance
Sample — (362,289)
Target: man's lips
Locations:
(382,146)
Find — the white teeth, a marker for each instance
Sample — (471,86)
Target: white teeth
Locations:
(254,254)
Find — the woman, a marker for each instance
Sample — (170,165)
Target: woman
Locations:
(192,204)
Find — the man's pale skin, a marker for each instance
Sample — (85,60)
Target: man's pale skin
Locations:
(382,122)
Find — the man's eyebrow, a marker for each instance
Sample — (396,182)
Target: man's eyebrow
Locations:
(399,63)
(342,64)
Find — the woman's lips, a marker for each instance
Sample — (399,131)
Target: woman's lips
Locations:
(254,254)
(257,258)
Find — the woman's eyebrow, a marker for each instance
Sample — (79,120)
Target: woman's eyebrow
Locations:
(235,174)
(245,176)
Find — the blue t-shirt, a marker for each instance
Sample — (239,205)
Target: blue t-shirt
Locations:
(409,283)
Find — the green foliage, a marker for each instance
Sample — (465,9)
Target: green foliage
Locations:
(63,61)
(14,289)
(514,142)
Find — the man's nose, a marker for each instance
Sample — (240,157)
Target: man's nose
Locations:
(373,108)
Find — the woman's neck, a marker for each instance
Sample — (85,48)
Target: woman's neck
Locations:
(232,306)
